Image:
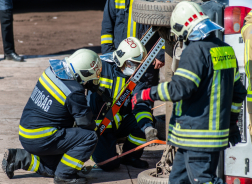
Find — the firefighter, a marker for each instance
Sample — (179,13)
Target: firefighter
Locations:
(52,146)
(136,125)
(117,25)
(247,37)
(207,95)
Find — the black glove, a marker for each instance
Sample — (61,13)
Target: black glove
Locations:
(234,134)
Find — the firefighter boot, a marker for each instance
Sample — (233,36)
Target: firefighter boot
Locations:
(135,162)
(58,180)
(15,159)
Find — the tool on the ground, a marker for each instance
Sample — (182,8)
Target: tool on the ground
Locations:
(87,169)
(130,85)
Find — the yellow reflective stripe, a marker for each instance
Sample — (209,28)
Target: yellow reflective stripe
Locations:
(236,107)
(60,97)
(237,76)
(139,116)
(199,143)
(120,85)
(118,119)
(136,140)
(223,57)
(246,60)
(34,163)
(249,95)
(107,38)
(106,83)
(243,29)
(36,133)
(72,162)
(120,4)
(178,108)
(163,47)
(131,32)
(163,92)
(214,109)
(189,75)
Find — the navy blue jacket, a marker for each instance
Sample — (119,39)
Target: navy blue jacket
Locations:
(6,4)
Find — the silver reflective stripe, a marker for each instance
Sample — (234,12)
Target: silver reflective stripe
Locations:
(119,4)
(235,107)
(163,86)
(107,38)
(35,162)
(182,132)
(72,162)
(195,79)
(57,82)
(38,133)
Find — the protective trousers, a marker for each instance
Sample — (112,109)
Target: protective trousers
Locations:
(6,18)
(191,167)
(63,154)
(106,146)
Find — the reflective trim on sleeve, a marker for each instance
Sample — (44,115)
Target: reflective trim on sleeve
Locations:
(120,4)
(214,109)
(120,85)
(249,95)
(118,119)
(178,108)
(236,107)
(189,75)
(72,162)
(131,31)
(34,163)
(136,140)
(106,83)
(223,57)
(54,86)
(36,133)
(107,38)
(237,76)
(139,116)
(163,92)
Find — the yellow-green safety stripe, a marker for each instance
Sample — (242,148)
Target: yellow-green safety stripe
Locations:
(249,95)
(35,162)
(106,38)
(131,32)
(136,140)
(163,92)
(72,162)
(106,83)
(36,133)
(178,108)
(120,85)
(145,114)
(120,4)
(236,107)
(189,75)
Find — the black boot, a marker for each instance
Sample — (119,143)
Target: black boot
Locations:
(13,56)
(8,163)
(134,162)
(58,180)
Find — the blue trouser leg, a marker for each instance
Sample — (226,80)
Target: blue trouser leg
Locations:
(195,168)
(63,153)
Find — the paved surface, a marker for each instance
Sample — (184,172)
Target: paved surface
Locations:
(17,81)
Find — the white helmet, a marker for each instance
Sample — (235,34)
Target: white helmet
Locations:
(85,65)
(129,49)
(185,17)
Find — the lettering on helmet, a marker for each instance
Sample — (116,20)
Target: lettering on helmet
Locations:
(226,57)
(123,97)
(131,43)
(95,68)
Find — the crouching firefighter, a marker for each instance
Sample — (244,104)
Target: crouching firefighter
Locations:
(136,125)
(208,94)
(52,146)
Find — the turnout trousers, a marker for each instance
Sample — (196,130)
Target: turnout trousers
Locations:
(106,146)
(192,167)
(62,154)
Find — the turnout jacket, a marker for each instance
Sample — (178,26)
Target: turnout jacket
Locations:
(54,104)
(208,94)
(117,25)
(246,33)
(112,83)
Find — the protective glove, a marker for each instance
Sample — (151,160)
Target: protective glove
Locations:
(234,135)
(151,134)
(142,96)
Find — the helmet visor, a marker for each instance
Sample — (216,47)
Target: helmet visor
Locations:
(202,30)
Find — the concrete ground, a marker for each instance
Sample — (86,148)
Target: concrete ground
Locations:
(17,81)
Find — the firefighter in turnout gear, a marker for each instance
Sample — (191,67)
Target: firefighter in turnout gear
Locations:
(52,146)
(127,123)
(118,24)
(246,33)
(207,95)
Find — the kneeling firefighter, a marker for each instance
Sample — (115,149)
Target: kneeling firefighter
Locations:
(52,146)
(208,94)
(136,125)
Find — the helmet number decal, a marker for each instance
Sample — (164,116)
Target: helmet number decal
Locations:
(131,43)
(95,67)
